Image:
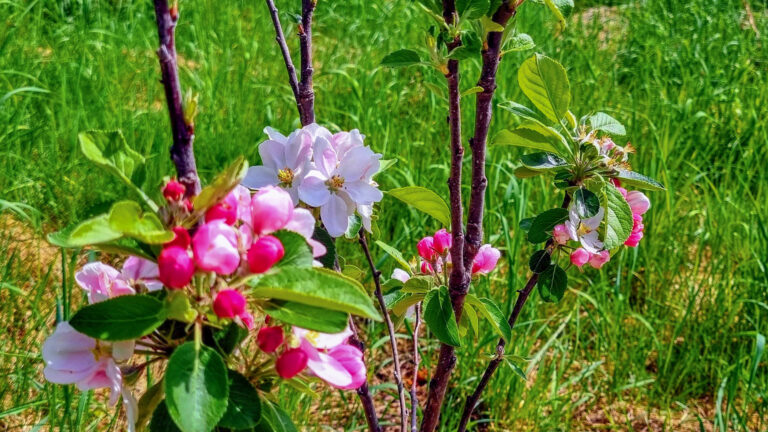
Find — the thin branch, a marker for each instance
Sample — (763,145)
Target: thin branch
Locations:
(306,97)
(416,361)
(390,328)
(182,153)
(280,39)
(369,409)
(522,296)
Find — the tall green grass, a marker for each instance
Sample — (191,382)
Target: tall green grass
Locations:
(674,324)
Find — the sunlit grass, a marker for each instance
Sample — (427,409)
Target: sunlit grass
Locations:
(675,330)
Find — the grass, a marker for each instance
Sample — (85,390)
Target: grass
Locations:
(666,337)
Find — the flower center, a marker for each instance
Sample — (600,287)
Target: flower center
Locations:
(101,350)
(583,230)
(336,182)
(285,176)
(311,337)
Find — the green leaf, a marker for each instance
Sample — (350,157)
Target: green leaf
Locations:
(552,284)
(492,312)
(522,111)
(148,404)
(274,419)
(541,161)
(127,217)
(525,223)
(543,224)
(401,58)
(586,203)
(316,287)
(399,302)
(545,83)
(121,318)
(439,316)
(618,218)
(639,181)
(162,421)
(560,9)
(196,388)
(298,253)
(178,308)
(539,261)
(244,406)
(127,246)
(472,9)
(353,229)
(308,317)
(329,259)
(220,187)
(394,253)
(525,172)
(472,90)
(470,46)
(603,122)
(527,136)
(519,42)
(226,339)
(424,200)
(418,284)
(92,231)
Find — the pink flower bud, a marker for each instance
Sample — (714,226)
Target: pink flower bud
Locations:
(291,362)
(634,239)
(616,182)
(188,205)
(622,191)
(175,267)
(173,191)
(579,257)
(271,210)
(181,238)
(222,211)
(442,241)
(400,275)
(485,260)
(247,320)
(270,338)
(638,202)
(560,234)
(229,303)
(264,253)
(426,248)
(215,248)
(597,260)
(426,268)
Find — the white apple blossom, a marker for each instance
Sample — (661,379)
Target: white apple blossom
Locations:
(585,230)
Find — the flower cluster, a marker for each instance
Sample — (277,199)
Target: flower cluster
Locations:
(330,172)
(435,252)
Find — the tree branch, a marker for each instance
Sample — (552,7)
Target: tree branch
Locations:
(182,153)
(280,39)
(363,392)
(390,328)
(416,361)
(306,97)
(522,296)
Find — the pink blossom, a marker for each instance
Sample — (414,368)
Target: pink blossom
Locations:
(331,359)
(181,238)
(264,253)
(599,259)
(485,260)
(426,268)
(142,271)
(561,234)
(102,282)
(291,362)
(637,231)
(215,248)
(622,191)
(442,241)
(400,275)
(638,202)
(173,191)
(175,267)
(270,338)
(229,303)
(426,248)
(271,210)
(580,256)
(225,210)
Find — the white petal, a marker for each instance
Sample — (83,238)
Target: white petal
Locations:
(594,221)
(298,151)
(334,216)
(260,176)
(356,162)
(123,350)
(313,189)
(591,242)
(274,134)
(362,192)
(302,222)
(325,157)
(272,154)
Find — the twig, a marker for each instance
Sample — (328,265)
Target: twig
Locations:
(182,153)
(459,284)
(522,296)
(280,39)
(306,97)
(416,360)
(390,328)
(363,392)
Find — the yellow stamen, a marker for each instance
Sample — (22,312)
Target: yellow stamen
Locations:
(336,182)
(285,176)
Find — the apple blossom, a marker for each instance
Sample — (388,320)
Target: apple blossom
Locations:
(426,268)
(175,267)
(271,210)
(102,282)
(215,248)
(485,260)
(331,359)
(173,191)
(426,248)
(637,231)
(560,234)
(291,362)
(638,202)
(142,271)
(442,241)
(580,256)
(597,260)
(400,275)
(585,230)
(270,338)
(181,238)
(225,210)
(264,253)
(229,303)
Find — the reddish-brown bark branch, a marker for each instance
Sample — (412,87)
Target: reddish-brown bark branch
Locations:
(306,92)
(182,152)
(280,39)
